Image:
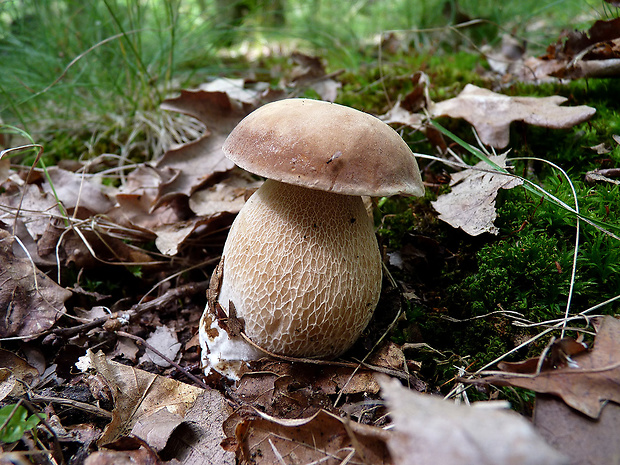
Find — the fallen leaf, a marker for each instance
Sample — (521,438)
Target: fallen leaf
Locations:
(137,393)
(170,237)
(587,384)
(404,111)
(576,54)
(76,190)
(165,340)
(193,417)
(226,196)
(321,438)
(234,88)
(585,440)
(491,113)
(196,162)
(157,427)
(503,60)
(197,440)
(310,73)
(16,375)
(431,430)
(30,302)
(470,205)
(400,115)
(603,175)
(125,451)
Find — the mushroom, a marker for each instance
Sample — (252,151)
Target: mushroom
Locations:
(301,264)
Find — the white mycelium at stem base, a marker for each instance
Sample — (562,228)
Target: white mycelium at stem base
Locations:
(303,269)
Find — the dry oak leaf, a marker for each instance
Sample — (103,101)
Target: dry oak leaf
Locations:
(588,386)
(322,438)
(30,302)
(195,162)
(491,113)
(596,440)
(166,413)
(470,205)
(429,430)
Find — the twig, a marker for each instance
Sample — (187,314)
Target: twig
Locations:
(136,310)
(141,341)
(98,411)
(313,361)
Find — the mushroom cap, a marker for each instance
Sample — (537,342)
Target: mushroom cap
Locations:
(325,146)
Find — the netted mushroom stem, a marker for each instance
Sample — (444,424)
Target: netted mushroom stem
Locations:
(303,270)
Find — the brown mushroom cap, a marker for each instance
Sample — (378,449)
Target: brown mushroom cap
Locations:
(325,146)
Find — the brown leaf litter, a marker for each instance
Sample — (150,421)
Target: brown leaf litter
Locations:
(430,430)
(576,54)
(30,302)
(586,384)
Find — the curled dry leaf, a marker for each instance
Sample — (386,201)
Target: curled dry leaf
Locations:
(429,430)
(576,54)
(491,113)
(234,88)
(125,451)
(587,384)
(166,223)
(137,393)
(471,203)
(185,420)
(30,302)
(404,111)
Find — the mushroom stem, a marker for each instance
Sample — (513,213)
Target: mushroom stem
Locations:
(303,269)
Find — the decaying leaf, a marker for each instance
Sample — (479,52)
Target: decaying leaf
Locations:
(30,302)
(576,54)
(16,374)
(234,88)
(137,393)
(311,73)
(322,438)
(429,430)
(471,203)
(125,451)
(183,420)
(171,236)
(407,110)
(585,440)
(166,223)
(588,383)
(194,163)
(226,196)
(76,190)
(165,340)
(491,113)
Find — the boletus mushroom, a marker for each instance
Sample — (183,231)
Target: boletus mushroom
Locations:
(301,264)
